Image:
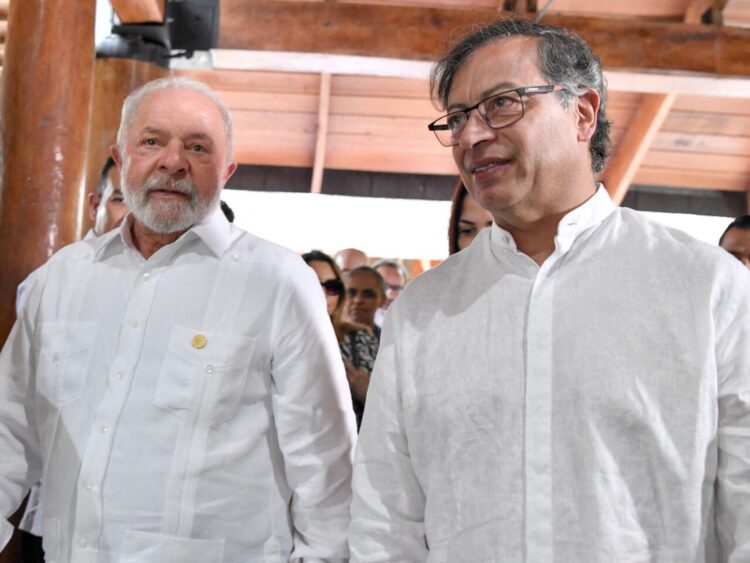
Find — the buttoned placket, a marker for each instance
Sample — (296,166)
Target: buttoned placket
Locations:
(88,523)
(539,525)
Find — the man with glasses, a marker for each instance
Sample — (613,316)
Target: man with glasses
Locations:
(574,386)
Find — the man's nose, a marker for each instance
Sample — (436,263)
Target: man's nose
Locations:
(173,159)
(475,131)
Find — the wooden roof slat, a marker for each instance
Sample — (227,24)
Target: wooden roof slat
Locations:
(421,34)
(709,123)
(702,144)
(139,11)
(635,143)
(700,179)
(688,162)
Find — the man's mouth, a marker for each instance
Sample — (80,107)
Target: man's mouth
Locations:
(487,165)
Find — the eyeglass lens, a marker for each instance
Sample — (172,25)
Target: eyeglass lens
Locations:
(332,287)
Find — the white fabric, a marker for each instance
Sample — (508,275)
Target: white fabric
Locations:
(154,445)
(32,518)
(578,412)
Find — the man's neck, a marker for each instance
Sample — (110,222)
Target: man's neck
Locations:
(535,230)
(148,242)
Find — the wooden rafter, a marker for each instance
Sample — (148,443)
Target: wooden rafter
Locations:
(322,135)
(630,152)
(422,34)
(139,11)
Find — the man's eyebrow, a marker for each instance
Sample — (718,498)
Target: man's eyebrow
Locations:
(499,87)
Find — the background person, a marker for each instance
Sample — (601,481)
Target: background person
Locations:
(736,239)
(358,343)
(466,220)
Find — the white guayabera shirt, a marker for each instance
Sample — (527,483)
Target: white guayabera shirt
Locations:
(191,407)
(595,409)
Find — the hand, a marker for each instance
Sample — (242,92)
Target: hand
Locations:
(358,379)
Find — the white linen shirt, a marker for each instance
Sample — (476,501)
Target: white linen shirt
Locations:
(188,407)
(595,409)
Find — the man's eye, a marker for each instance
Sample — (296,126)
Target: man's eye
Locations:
(503,102)
(149,142)
(198,148)
(455,120)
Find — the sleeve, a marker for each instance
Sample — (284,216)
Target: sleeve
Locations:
(733,472)
(388,501)
(20,462)
(314,420)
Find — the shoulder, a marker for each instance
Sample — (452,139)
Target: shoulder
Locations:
(268,258)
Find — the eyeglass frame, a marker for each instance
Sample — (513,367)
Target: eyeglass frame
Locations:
(521,91)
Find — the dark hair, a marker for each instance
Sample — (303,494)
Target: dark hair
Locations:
(319,256)
(742,223)
(369,270)
(228,213)
(566,59)
(457,205)
(104,174)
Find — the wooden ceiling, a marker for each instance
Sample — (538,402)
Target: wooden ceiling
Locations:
(679,75)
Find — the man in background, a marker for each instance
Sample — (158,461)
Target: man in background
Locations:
(350,258)
(736,239)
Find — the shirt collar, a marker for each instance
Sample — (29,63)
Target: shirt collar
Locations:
(589,214)
(214,231)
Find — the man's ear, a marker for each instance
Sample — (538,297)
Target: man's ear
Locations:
(116,156)
(94,201)
(587,111)
(229,171)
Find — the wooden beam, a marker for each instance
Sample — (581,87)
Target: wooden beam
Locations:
(139,11)
(316,186)
(422,34)
(618,80)
(628,155)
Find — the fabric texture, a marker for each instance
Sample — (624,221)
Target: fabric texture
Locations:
(594,409)
(189,407)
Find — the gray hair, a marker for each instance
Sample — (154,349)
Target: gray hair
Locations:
(566,59)
(133,101)
(385,263)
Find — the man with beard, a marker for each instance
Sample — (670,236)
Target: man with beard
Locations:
(573,387)
(176,383)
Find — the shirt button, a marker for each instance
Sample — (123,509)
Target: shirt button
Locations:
(209,368)
(120,374)
(146,276)
(82,542)
(88,486)
(235,256)
(104,428)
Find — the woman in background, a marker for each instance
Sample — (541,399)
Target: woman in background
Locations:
(358,344)
(466,219)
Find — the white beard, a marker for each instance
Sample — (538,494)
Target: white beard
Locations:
(165,217)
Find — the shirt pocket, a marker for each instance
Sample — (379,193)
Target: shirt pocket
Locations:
(145,547)
(216,363)
(64,359)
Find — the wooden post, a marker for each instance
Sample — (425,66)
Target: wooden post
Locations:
(47,78)
(47,83)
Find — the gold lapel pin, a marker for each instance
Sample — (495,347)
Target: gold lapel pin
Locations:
(199,341)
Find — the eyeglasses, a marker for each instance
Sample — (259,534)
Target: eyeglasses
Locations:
(352,293)
(498,111)
(333,287)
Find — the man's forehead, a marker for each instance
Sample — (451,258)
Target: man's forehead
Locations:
(174,106)
(504,63)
